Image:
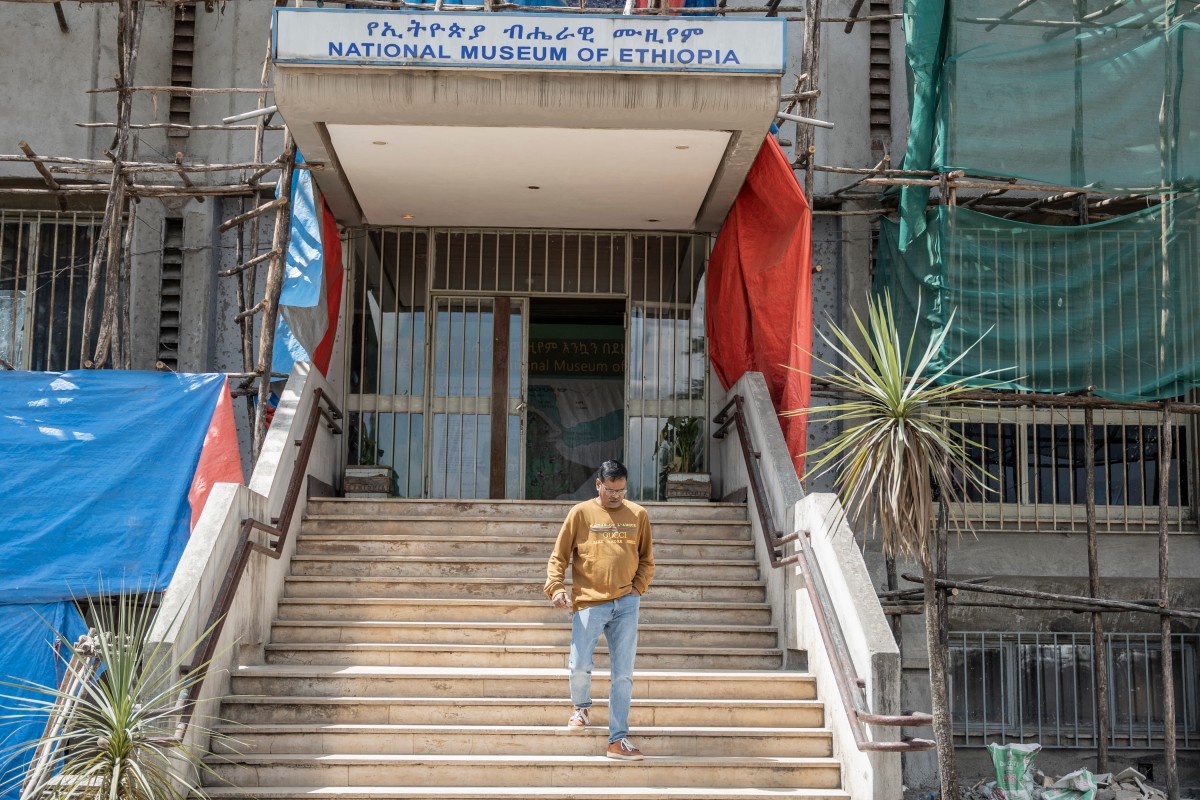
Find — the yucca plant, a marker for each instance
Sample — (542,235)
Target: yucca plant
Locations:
(898,452)
(118,742)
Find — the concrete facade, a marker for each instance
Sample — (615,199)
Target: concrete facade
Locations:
(45,93)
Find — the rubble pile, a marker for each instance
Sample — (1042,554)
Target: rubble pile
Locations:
(1126,785)
(1016,779)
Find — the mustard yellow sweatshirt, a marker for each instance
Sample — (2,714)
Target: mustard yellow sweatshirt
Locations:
(610,553)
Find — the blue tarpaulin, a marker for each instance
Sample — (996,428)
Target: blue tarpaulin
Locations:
(304,269)
(96,469)
(97,466)
(28,650)
(302,278)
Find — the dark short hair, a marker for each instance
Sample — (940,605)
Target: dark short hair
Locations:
(612,470)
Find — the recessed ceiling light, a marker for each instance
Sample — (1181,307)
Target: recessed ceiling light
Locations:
(533,187)
(682,146)
(407,216)
(377,141)
(651,220)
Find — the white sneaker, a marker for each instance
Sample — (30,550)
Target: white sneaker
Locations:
(578,720)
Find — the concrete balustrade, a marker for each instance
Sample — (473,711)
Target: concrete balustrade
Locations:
(873,650)
(189,598)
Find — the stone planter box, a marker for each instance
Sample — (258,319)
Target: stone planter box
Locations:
(368,481)
(689,487)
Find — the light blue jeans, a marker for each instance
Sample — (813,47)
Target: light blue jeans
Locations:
(618,621)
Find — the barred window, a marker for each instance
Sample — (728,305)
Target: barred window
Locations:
(44,261)
(1040,687)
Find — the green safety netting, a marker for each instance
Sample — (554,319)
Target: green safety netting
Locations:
(1065,92)
(1114,305)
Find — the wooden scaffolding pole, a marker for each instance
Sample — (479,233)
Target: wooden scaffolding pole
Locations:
(248,272)
(107,258)
(1167,665)
(1099,647)
(810,69)
(266,337)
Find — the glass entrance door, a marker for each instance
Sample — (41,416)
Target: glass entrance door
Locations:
(476,405)
(576,388)
(453,331)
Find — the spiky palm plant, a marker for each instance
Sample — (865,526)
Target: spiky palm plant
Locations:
(898,446)
(118,742)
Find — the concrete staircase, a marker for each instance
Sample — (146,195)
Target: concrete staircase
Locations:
(415,656)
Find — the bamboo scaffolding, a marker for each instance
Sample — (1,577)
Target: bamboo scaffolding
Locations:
(1098,649)
(129,32)
(266,348)
(246,326)
(883,162)
(96,165)
(256,377)
(1081,401)
(1086,604)
(914,608)
(176,125)
(248,274)
(810,68)
(40,166)
(141,190)
(107,253)
(247,264)
(177,90)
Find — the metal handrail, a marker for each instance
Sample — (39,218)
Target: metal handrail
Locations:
(851,688)
(245,547)
(81,670)
(771,534)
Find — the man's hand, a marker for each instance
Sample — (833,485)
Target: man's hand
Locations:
(561,600)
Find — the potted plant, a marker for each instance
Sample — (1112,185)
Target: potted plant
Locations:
(901,466)
(368,478)
(680,449)
(114,732)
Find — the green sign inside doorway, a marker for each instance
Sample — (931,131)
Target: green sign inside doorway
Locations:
(576,412)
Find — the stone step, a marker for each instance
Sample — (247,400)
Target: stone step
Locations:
(544,509)
(511,633)
(259,739)
(468,546)
(368,681)
(648,713)
(435,587)
(419,609)
(518,793)
(515,568)
(522,770)
(352,525)
(515,656)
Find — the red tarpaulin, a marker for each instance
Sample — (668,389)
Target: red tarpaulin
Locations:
(332,290)
(759,294)
(220,461)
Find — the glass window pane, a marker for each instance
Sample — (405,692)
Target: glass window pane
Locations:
(461,455)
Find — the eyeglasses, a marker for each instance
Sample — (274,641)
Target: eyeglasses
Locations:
(614,492)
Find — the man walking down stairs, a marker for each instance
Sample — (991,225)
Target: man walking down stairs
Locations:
(608,544)
(413,656)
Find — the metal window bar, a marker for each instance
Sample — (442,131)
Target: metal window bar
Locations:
(664,308)
(1034,462)
(1005,685)
(529,263)
(43,256)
